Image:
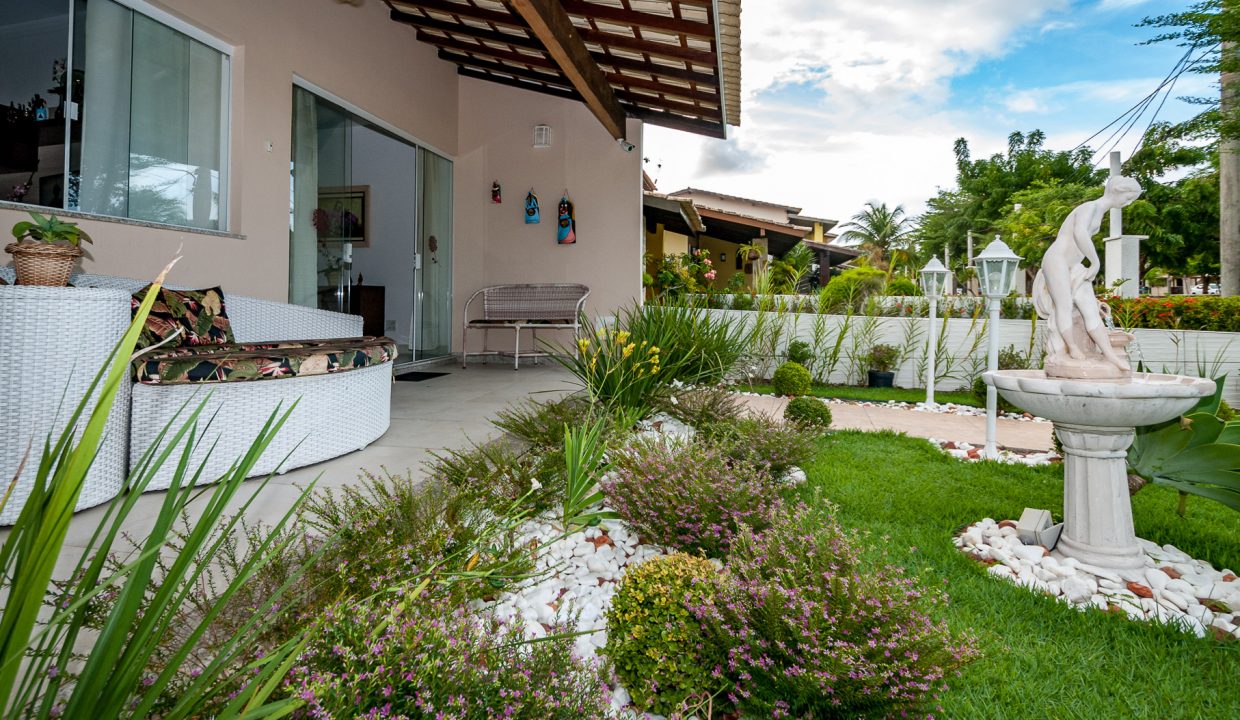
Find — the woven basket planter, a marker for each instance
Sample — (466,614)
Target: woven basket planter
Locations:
(43,264)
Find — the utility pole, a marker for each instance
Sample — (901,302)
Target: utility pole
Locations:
(1229,182)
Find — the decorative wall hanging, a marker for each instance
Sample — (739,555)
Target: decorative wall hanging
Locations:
(497,194)
(532,216)
(566,232)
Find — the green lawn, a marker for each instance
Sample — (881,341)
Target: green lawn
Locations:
(854,392)
(1041,659)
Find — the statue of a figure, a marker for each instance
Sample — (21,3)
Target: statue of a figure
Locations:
(1080,345)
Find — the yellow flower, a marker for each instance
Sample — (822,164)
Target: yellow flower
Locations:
(622,337)
(654,349)
(601,333)
(583,344)
(628,349)
(593,363)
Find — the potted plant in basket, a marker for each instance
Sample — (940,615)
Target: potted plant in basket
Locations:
(882,361)
(46,250)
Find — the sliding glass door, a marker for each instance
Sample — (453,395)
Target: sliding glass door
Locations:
(432,332)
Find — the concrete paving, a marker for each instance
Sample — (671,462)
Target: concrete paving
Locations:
(1010,434)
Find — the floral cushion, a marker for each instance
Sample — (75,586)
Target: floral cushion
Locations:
(198,314)
(260,361)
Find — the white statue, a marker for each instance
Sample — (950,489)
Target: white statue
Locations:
(1079,343)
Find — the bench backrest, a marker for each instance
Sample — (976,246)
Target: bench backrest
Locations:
(546,301)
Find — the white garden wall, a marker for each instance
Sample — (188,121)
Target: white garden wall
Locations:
(962,347)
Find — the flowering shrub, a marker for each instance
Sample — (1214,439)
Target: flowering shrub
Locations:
(791,379)
(762,442)
(688,272)
(814,632)
(409,659)
(688,497)
(617,368)
(653,639)
(1177,312)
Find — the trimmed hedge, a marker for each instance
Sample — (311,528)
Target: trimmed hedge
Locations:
(1178,312)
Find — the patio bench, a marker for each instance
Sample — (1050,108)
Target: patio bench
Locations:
(543,306)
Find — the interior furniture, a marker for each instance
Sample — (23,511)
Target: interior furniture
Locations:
(542,306)
(368,302)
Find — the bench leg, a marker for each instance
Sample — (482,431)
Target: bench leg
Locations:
(464,346)
(516,348)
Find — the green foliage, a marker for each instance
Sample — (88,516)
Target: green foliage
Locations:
(495,475)
(60,670)
(541,424)
(698,346)
(1044,206)
(419,660)
(808,412)
(792,379)
(1178,312)
(619,369)
(742,301)
(850,289)
(1225,412)
(654,640)
(901,286)
(884,234)
(584,461)
(701,406)
(985,188)
(49,229)
(676,275)
(1205,25)
(761,441)
(1197,454)
(1010,358)
(788,271)
(800,352)
(882,357)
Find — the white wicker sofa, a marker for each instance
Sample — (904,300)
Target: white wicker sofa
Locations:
(336,413)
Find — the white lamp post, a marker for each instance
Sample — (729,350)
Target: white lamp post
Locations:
(933,280)
(996,270)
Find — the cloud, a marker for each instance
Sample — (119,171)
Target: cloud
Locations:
(730,157)
(1120,4)
(849,99)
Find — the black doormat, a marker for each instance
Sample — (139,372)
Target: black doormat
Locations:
(419,376)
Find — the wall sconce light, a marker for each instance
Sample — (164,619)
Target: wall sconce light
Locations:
(542,136)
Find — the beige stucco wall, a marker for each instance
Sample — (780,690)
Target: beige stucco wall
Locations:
(353,51)
(493,243)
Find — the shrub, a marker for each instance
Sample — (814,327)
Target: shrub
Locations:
(742,301)
(800,352)
(901,286)
(698,346)
(1225,412)
(653,638)
(497,474)
(688,497)
(618,368)
(401,657)
(541,424)
(1009,359)
(808,412)
(849,289)
(701,406)
(1177,312)
(791,379)
(882,357)
(762,442)
(813,631)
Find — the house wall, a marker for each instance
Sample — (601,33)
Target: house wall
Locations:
(725,269)
(493,245)
(352,50)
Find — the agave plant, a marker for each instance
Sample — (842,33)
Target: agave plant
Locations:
(1197,454)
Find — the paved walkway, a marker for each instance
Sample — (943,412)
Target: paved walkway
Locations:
(1011,434)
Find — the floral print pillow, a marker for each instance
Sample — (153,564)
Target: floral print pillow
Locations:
(198,316)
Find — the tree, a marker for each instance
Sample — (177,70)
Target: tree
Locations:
(984,189)
(788,271)
(884,234)
(1043,207)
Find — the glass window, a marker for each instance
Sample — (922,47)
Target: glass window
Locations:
(144,107)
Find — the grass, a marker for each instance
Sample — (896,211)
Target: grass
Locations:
(1040,657)
(854,392)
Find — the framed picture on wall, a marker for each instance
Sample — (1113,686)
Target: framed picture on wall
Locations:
(343,215)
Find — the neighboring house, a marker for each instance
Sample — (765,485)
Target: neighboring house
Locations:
(290,148)
(719,224)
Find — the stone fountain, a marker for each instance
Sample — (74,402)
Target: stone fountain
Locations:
(1088,389)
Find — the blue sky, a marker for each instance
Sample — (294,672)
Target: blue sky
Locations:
(851,101)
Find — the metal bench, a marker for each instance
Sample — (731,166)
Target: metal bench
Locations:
(543,306)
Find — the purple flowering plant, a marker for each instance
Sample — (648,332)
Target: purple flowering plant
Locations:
(689,497)
(410,658)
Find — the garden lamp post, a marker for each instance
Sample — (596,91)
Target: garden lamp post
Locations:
(996,270)
(933,280)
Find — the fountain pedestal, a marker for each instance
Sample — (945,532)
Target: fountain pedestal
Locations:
(1097,520)
(1095,421)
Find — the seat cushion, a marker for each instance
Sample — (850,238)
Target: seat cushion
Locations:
(199,315)
(238,362)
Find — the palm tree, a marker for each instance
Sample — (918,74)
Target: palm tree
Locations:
(885,234)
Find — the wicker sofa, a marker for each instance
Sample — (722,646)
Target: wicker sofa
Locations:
(336,412)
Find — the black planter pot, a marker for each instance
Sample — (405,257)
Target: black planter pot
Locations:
(881,379)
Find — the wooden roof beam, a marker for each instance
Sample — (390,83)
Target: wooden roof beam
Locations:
(552,25)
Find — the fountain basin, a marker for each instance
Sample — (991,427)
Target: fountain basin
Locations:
(1143,399)
(1095,421)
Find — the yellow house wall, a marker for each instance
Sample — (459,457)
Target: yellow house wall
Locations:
(725,269)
